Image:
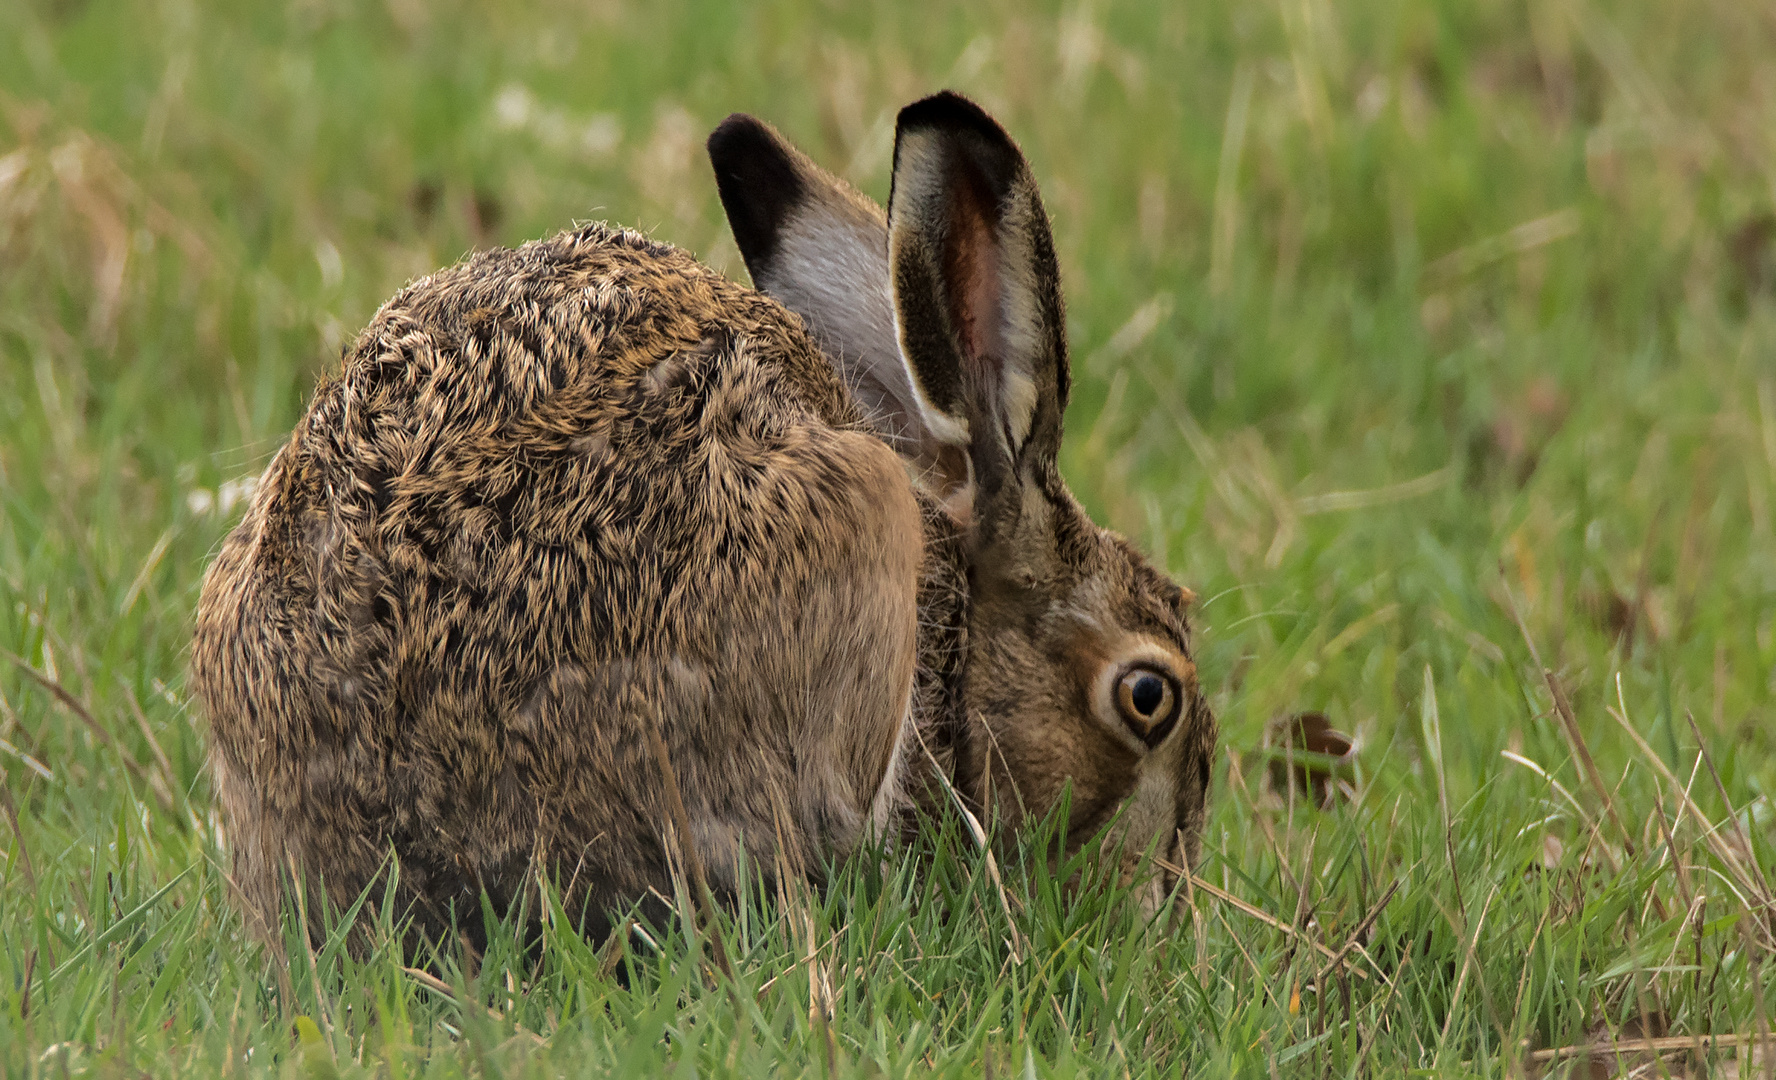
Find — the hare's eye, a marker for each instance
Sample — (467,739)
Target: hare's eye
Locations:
(1147,693)
(1148,701)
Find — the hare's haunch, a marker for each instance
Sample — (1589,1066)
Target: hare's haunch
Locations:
(569,504)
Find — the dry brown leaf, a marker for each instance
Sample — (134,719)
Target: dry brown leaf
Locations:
(1308,755)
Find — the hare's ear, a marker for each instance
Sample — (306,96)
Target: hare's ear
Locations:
(821,249)
(977,297)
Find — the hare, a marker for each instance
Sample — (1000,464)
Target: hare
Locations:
(570,506)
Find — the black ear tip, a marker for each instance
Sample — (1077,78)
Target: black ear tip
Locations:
(968,133)
(950,111)
(760,183)
(738,134)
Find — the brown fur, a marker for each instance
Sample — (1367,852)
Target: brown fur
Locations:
(561,494)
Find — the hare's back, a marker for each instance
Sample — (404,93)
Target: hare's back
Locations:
(592,436)
(554,339)
(541,477)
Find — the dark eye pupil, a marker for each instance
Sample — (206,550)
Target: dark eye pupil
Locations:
(1147,693)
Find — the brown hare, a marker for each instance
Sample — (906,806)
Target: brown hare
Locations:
(571,503)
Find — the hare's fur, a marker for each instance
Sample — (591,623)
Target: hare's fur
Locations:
(564,451)
(563,494)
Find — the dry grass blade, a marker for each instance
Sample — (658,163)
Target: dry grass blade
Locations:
(25,986)
(681,827)
(807,959)
(1237,777)
(1559,788)
(1686,890)
(979,834)
(1225,229)
(161,760)
(1198,926)
(1738,826)
(1365,498)
(1304,912)
(1461,981)
(136,586)
(163,774)
(1516,241)
(793,899)
(28,760)
(314,962)
(1265,917)
(18,835)
(1662,1045)
(1233,935)
(1431,718)
(68,701)
(1570,725)
(1431,721)
(1356,935)
(610,954)
(1752,883)
(439,986)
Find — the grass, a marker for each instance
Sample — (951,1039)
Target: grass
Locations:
(1389,320)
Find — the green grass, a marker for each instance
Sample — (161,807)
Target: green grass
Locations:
(1386,317)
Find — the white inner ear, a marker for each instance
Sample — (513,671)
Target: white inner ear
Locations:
(946,477)
(832,267)
(919,177)
(949,428)
(1017,396)
(1020,322)
(829,268)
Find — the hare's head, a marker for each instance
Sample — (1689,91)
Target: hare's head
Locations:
(945,318)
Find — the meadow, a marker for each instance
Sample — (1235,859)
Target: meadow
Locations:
(1432,343)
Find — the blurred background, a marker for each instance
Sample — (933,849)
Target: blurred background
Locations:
(1377,309)
(1387,318)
